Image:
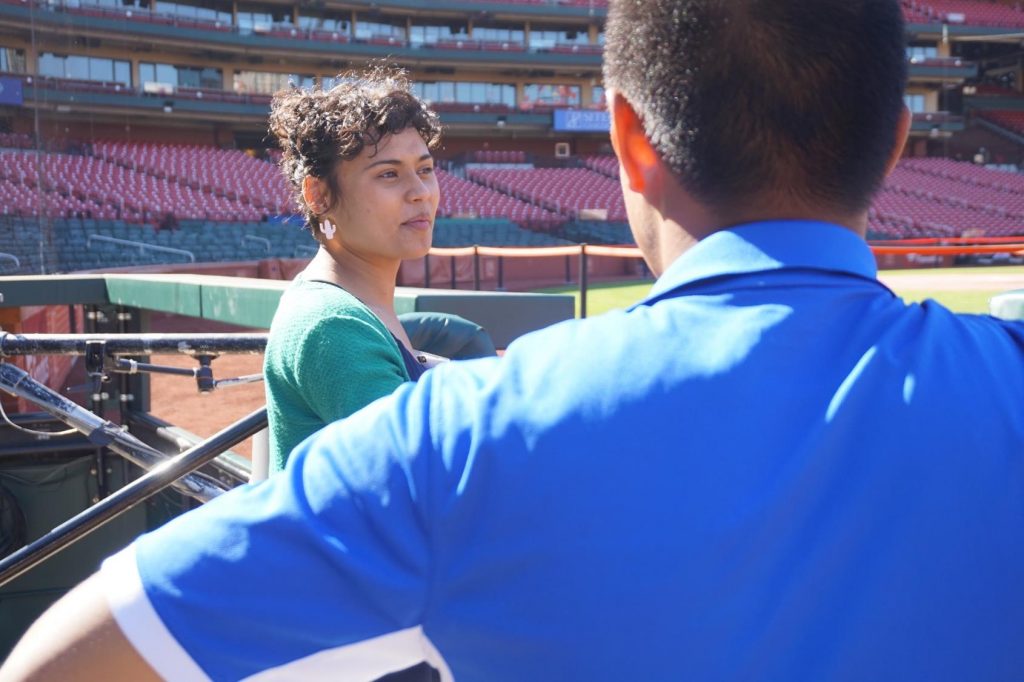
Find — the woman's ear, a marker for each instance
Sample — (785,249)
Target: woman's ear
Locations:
(313,191)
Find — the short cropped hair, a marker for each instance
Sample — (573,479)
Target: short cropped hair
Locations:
(317,128)
(795,99)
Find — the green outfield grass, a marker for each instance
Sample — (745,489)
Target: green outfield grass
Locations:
(612,296)
(959,301)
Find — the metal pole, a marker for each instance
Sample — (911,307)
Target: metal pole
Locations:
(131,344)
(100,432)
(426,271)
(127,497)
(476,268)
(501,273)
(583,281)
(568,269)
(453,272)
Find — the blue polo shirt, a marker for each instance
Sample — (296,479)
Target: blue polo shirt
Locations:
(772,468)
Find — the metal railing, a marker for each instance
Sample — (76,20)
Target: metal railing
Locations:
(259,240)
(103,353)
(304,250)
(127,497)
(141,246)
(11,257)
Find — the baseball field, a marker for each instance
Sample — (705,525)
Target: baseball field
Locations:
(965,290)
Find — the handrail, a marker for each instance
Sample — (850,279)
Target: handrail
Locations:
(254,238)
(101,432)
(127,497)
(141,246)
(945,241)
(11,256)
(131,344)
(1016,249)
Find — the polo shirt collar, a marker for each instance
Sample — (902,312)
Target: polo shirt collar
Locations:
(771,245)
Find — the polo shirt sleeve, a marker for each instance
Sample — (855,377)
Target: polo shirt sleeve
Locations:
(325,569)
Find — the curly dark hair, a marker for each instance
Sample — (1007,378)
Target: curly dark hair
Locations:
(317,128)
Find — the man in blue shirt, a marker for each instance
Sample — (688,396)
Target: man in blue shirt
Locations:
(771,468)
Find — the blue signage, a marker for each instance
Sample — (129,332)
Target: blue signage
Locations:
(10,91)
(581,121)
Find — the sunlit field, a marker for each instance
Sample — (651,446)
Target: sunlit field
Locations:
(968,291)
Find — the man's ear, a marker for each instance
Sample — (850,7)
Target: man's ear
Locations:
(638,158)
(313,193)
(902,133)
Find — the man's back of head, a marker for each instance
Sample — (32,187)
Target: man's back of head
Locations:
(785,101)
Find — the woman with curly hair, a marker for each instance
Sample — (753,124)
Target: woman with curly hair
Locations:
(358,158)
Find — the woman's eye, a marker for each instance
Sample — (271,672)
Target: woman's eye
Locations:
(427,170)
(389,174)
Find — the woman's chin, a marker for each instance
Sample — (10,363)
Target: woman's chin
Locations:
(418,248)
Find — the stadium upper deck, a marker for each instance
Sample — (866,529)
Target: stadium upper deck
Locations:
(493,68)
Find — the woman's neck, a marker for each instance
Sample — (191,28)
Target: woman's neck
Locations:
(373,283)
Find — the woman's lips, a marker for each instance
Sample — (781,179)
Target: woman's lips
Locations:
(418,223)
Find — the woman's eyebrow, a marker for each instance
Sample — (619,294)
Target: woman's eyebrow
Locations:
(397,162)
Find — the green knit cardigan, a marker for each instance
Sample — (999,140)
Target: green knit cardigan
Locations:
(327,356)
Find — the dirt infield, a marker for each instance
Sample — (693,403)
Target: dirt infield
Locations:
(177,400)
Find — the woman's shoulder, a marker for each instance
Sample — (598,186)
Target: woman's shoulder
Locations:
(307,302)
(322,317)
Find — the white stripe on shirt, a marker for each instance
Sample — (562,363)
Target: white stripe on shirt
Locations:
(139,621)
(365,660)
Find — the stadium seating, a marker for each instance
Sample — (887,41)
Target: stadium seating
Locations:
(994,90)
(915,14)
(69,185)
(453,233)
(569,191)
(597,232)
(229,173)
(462,198)
(22,239)
(969,12)
(498,156)
(16,141)
(963,11)
(141,183)
(606,164)
(1011,120)
(941,197)
(930,198)
(205,241)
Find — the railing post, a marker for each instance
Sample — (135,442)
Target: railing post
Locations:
(501,273)
(583,281)
(476,268)
(453,272)
(568,269)
(426,271)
